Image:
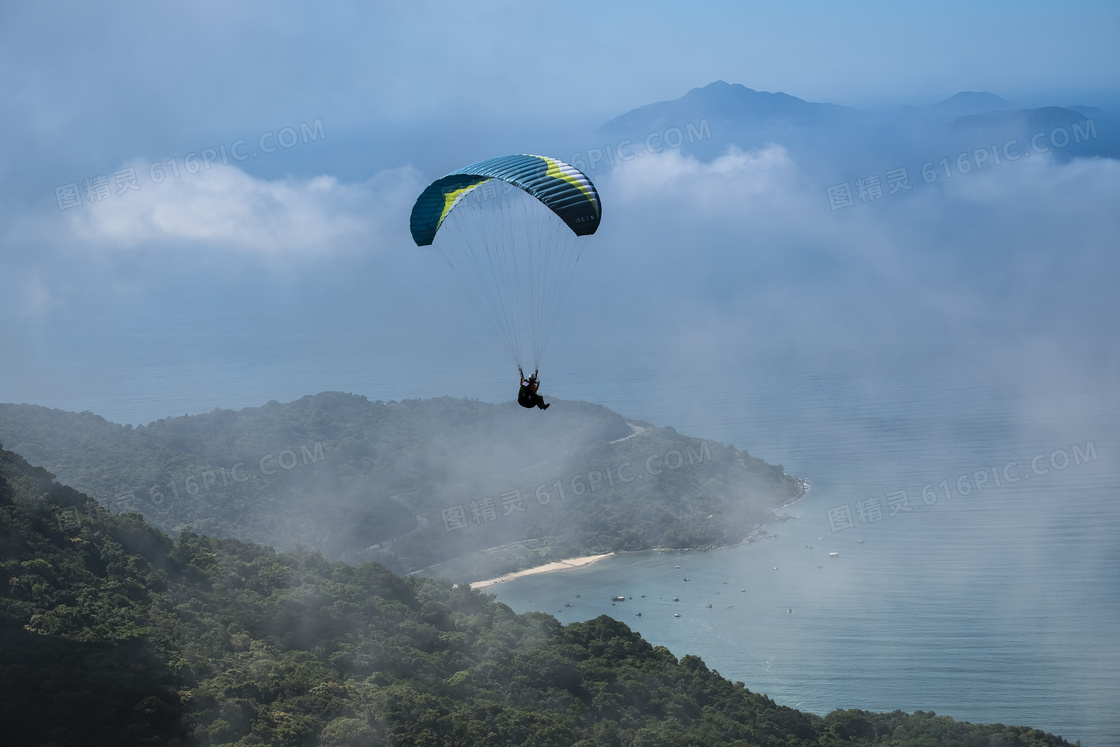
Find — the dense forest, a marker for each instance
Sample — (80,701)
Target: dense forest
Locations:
(413,484)
(113,633)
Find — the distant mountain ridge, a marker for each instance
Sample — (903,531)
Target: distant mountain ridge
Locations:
(705,122)
(971,102)
(738,105)
(1041,119)
(730,103)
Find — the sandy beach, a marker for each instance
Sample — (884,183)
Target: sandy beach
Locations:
(559,565)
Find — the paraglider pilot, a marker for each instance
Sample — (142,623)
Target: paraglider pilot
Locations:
(527,396)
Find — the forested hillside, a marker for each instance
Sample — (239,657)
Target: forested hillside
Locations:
(413,484)
(112,633)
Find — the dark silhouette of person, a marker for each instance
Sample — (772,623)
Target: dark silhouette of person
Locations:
(527,395)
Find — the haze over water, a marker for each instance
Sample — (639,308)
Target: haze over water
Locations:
(996,606)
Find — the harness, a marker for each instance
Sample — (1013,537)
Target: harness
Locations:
(525,397)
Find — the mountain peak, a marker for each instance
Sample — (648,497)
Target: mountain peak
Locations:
(731,105)
(972,102)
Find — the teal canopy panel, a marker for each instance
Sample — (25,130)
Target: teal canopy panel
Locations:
(562,188)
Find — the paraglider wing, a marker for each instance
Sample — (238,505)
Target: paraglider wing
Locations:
(512,228)
(562,188)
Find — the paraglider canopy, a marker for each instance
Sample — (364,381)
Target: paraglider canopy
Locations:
(562,188)
(512,228)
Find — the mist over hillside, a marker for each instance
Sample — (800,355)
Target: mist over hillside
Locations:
(413,483)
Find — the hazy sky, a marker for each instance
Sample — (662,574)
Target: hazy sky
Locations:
(72,66)
(292,271)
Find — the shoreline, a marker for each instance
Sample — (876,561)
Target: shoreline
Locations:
(559,565)
(756,534)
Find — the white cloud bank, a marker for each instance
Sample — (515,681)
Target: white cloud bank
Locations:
(748,241)
(225,209)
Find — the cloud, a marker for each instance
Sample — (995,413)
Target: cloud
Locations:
(748,244)
(736,180)
(210,232)
(224,209)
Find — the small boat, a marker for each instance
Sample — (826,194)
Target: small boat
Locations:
(638,615)
(833,554)
(686,579)
(708,606)
(676,599)
(676,614)
(643,596)
(742,589)
(775,568)
(618,599)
